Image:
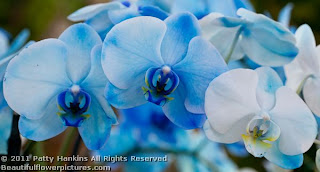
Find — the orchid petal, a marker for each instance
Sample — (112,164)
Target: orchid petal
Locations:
(177,113)
(275,156)
(44,79)
(48,126)
(80,40)
(181,28)
(95,130)
(90,11)
(200,66)
(230,98)
(131,48)
(297,123)
(311,94)
(269,82)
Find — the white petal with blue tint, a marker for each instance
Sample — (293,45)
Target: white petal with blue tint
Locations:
(306,63)
(220,36)
(90,11)
(267,42)
(44,80)
(80,40)
(308,57)
(228,137)
(181,28)
(275,156)
(269,82)
(200,66)
(230,98)
(176,111)
(48,126)
(311,94)
(95,130)
(297,123)
(128,53)
(295,75)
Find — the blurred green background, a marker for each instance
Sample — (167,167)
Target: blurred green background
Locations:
(47,18)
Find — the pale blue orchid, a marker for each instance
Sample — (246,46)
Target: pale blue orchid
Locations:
(163,62)
(264,41)
(7,52)
(201,8)
(284,19)
(154,135)
(56,83)
(102,17)
(271,119)
(303,74)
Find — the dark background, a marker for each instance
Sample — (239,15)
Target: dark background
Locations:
(47,18)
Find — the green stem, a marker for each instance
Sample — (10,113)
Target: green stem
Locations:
(29,146)
(316,141)
(303,82)
(234,43)
(40,152)
(65,147)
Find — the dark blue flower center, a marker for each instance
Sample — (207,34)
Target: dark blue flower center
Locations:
(73,103)
(161,82)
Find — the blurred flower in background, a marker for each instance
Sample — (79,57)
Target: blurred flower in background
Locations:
(8,49)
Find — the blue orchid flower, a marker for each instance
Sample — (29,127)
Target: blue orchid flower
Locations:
(102,17)
(7,52)
(262,40)
(163,62)
(271,119)
(201,8)
(146,131)
(212,155)
(143,127)
(56,83)
(284,19)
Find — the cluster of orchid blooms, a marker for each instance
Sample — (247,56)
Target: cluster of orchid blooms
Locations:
(211,65)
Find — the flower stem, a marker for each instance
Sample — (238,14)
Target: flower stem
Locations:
(76,148)
(303,82)
(28,147)
(316,141)
(14,141)
(65,147)
(233,45)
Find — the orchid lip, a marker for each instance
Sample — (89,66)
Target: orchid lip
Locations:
(73,103)
(261,132)
(161,82)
